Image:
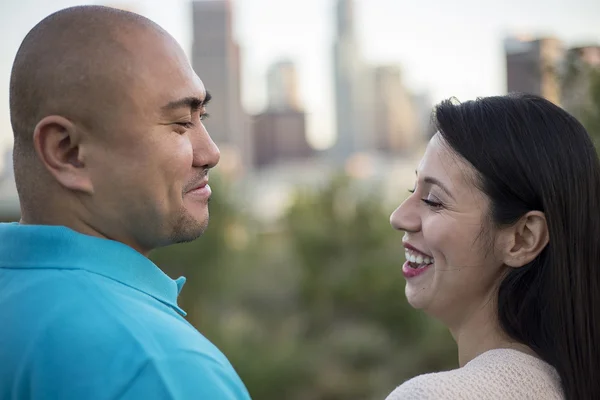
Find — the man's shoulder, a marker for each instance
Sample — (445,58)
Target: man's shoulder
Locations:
(69,310)
(62,309)
(85,313)
(68,329)
(185,374)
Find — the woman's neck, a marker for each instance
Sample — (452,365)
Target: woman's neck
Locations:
(481,332)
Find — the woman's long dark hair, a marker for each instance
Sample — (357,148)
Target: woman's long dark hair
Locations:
(532,155)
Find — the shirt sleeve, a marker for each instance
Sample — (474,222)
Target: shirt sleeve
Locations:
(185,376)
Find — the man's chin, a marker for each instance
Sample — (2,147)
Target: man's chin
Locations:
(190,229)
(183,229)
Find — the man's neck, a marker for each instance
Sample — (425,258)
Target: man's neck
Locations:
(75,224)
(69,222)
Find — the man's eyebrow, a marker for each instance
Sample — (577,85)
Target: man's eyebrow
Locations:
(433,181)
(190,102)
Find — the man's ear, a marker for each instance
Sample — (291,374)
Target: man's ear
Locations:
(526,239)
(58,145)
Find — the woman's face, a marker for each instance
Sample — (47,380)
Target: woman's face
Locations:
(451,270)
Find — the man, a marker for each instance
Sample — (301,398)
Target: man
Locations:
(111,161)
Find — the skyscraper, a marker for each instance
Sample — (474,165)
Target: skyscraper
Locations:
(9,199)
(396,122)
(279,133)
(353,89)
(282,86)
(216,59)
(7,168)
(280,137)
(532,66)
(424,108)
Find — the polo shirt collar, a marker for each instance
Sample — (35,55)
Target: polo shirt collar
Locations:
(59,247)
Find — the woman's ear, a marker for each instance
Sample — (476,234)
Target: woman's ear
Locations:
(525,239)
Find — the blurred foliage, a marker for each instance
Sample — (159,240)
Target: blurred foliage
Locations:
(591,114)
(583,79)
(313,306)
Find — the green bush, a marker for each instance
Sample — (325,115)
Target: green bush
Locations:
(312,307)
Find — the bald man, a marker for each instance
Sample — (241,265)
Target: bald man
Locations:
(111,161)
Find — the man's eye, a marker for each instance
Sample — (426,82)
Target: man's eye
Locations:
(204,116)
(186,125)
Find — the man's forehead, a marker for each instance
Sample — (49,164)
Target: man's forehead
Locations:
(168,78)
(155,54)
(156,70)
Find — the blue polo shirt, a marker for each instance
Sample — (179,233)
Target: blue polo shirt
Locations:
(89,318)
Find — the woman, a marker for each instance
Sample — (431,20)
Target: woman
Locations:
(501,236)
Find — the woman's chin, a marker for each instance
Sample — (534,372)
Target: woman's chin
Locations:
(416,297)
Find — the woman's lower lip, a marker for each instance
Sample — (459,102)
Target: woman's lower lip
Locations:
(410,272)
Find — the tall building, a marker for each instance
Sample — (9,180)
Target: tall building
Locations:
(216,59)
(279,133)
(579,64)
(9,199)
(396,124)
(280,137)
(424,106)
(533,66)
(7,168)
(353,89)
(282,86)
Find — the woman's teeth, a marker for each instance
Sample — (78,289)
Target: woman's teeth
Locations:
(419,260)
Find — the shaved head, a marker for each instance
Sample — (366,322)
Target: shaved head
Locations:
(73,63)
(107,117)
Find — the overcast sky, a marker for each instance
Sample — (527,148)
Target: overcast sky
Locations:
(445,48)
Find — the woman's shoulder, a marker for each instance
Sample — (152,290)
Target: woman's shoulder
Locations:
(501,373)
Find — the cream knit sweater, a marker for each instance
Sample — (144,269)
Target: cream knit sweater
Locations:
(495,374)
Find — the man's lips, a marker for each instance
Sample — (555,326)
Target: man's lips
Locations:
(198,186)
(201,190)
(203,185)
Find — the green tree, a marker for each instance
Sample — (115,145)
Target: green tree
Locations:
(591,114)
(207,261)
(311,307)
(581,92)
(351,292)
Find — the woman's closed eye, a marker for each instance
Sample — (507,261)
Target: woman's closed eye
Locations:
(430,201)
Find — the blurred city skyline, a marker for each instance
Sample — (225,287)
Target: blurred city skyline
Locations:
(442,50)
